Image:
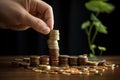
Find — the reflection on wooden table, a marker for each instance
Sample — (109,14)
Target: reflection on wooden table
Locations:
(7,72)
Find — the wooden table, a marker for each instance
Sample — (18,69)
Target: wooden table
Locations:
(7,72)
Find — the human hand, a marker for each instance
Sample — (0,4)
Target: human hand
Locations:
(24,14)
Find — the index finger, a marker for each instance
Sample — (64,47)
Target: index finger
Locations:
(47,11)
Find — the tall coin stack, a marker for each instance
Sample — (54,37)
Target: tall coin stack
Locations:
(54,47)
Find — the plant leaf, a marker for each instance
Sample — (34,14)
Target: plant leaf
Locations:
(100,27)
(101,48)
(85,24)
(99,6)
(99,0)
(92,55)
(94,18)
(93,46)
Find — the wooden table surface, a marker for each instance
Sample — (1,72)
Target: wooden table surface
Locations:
(7,72)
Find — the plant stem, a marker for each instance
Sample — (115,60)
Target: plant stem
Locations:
(100,53)
(89,37)
(91,40)
(94,36)
(96,32)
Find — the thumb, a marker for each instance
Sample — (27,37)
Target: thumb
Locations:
(36,23)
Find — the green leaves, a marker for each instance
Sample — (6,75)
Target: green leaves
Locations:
(99,6)
(93,26)
(92,48)
(100,27)
(85,24)
(98,24)
(94,18)
(99,0)
(101,48)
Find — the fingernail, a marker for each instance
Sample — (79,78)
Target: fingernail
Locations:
(46,30)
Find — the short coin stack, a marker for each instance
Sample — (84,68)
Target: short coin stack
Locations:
(63,60)
(54,47)
(73,60)
(44,60)
(34,61)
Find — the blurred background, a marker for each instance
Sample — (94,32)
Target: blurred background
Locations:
(68,16)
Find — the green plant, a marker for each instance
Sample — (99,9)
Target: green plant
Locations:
(93,26)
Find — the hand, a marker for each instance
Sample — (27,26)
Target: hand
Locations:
(24,14)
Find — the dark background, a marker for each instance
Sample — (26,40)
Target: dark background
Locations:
(68,16)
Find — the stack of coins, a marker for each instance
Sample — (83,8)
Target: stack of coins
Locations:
(34,61)
(82,60)
(73,60)
(17,62)
(54,47)
(63,60)
(44,60)
(27,60)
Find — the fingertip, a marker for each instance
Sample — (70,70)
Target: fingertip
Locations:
(50,23)
(45,30)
